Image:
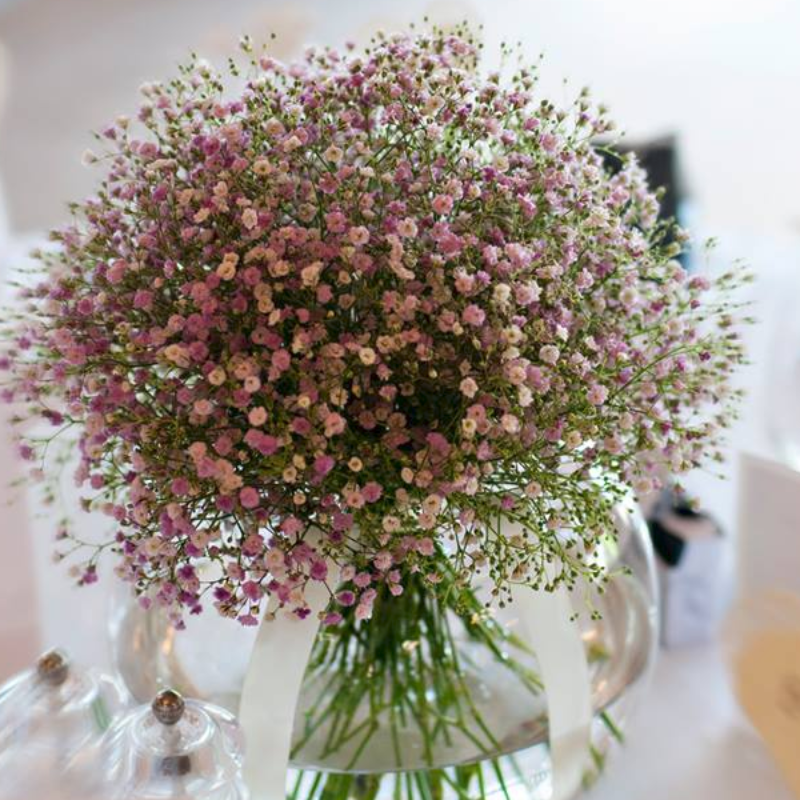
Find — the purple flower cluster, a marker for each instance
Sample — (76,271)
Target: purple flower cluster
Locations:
(359,314)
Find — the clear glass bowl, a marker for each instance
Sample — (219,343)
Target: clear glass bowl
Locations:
(427,701)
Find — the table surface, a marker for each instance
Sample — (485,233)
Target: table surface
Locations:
(688,740)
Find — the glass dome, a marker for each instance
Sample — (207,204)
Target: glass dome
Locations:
(172,749)
(52,715)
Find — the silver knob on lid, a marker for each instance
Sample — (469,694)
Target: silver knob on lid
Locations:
(174,749)
(168,707)
(53,668)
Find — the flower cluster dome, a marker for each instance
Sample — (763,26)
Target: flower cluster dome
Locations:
(359,314)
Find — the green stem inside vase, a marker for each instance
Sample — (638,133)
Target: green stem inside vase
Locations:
(393,706)
(406,675)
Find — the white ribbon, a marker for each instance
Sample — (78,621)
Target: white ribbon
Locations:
(545,623)
(271,691)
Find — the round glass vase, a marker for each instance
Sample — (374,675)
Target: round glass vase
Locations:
(432,698)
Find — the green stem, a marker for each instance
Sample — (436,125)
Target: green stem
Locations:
(406,675)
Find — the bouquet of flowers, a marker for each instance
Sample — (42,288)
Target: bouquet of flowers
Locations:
(365,313)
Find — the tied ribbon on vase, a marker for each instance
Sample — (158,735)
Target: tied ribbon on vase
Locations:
(272,688)
(548,627)
(283,647)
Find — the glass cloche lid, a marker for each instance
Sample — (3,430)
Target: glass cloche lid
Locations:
(174,749)
(49,716)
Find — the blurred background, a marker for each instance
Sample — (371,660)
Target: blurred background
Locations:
(720,75)
(705,90)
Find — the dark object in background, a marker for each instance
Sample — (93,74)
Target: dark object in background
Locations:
(668,544)
(690,552)
(659,158)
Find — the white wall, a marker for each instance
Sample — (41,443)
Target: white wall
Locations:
(722,74)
